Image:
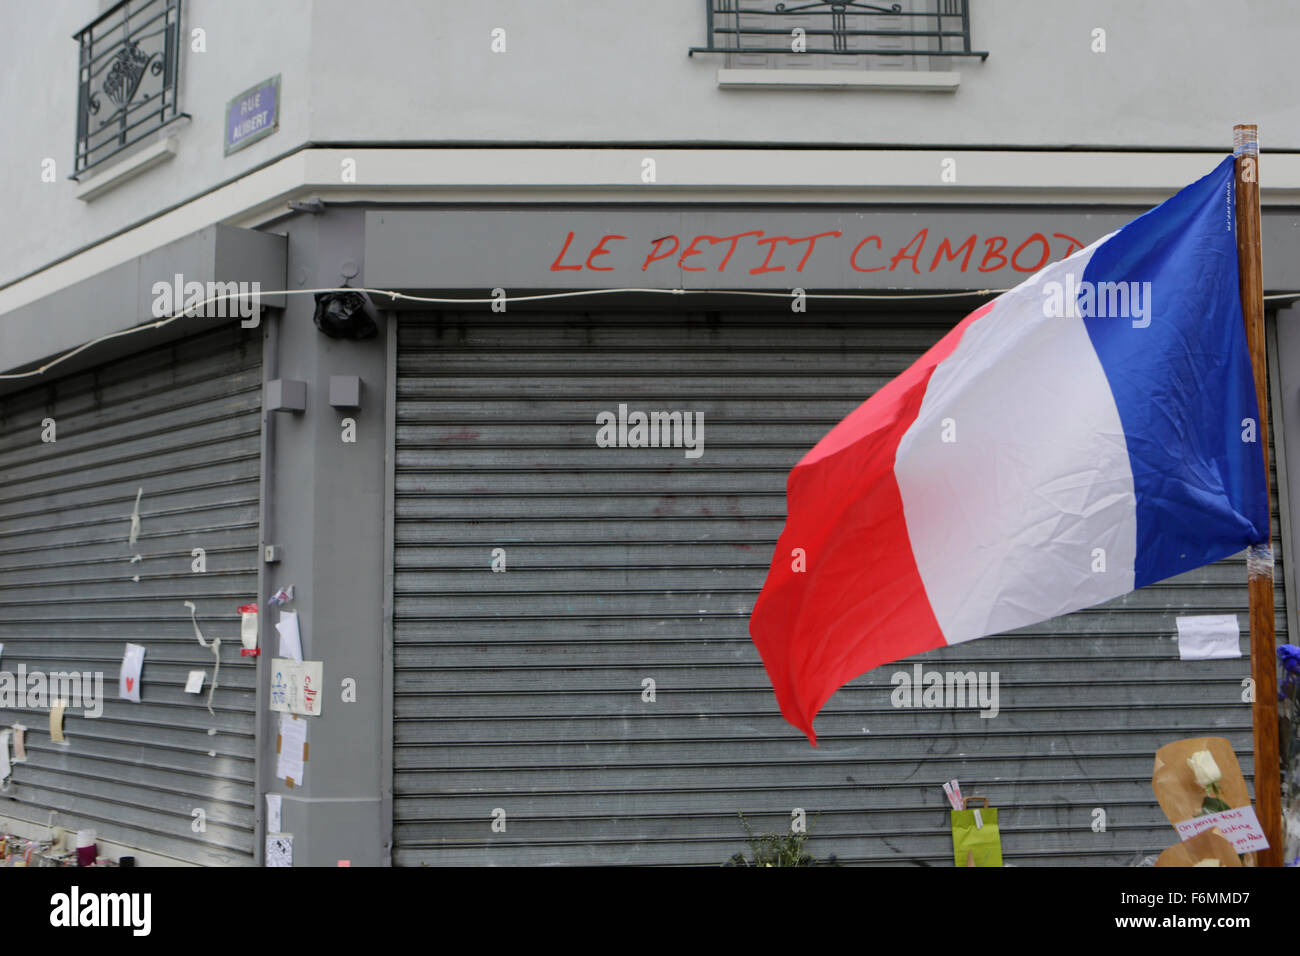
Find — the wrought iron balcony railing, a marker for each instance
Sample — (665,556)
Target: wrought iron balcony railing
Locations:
(839,28)
(127,78)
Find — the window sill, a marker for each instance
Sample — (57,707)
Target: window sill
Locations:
(864,80)
(135,164)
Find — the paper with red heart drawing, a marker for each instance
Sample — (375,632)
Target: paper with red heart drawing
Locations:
(129,677)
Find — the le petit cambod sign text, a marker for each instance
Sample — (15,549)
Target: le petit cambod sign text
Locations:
(723,249)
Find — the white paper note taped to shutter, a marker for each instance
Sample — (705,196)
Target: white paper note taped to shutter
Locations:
(1208,637)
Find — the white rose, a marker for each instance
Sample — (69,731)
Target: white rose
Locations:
(1203,766)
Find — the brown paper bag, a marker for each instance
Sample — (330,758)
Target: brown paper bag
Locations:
(1210,845)
(1175,785)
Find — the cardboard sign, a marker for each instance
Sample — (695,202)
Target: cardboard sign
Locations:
(56,722)
(20,743)
(296,686)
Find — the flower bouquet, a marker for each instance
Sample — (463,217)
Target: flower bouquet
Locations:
(1208,775)
(1288,711)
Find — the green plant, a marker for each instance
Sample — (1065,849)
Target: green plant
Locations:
(772,849)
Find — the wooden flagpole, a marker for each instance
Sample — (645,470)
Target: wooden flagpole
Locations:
(1259,560)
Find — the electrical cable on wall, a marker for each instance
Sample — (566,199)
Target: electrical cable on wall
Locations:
(439,300)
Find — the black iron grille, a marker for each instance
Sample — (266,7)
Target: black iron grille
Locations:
(839,27)
(127,78)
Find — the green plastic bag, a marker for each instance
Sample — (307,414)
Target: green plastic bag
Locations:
(967,837)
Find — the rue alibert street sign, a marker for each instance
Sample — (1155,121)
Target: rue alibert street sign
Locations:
(253,115)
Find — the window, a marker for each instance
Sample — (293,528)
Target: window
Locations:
(127,78)
(914,35)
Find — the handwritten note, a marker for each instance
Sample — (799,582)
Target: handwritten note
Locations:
(279,686)
(272,812)
(293,741)
(194,683)
(1239,826)
(5,769)
(279,849)
(1208,636)
(296,686)
(20,744)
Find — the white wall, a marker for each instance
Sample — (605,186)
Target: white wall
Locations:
(1177,74)
(247,41)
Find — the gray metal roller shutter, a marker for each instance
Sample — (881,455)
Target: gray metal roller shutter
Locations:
(522,690)
(183,423)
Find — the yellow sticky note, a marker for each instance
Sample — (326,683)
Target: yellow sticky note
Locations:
(56,721)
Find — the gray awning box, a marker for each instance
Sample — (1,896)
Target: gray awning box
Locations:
(130,295)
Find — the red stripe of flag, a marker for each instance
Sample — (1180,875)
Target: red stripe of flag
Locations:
(861,602)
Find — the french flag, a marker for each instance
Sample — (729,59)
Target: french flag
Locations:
(1090,432)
